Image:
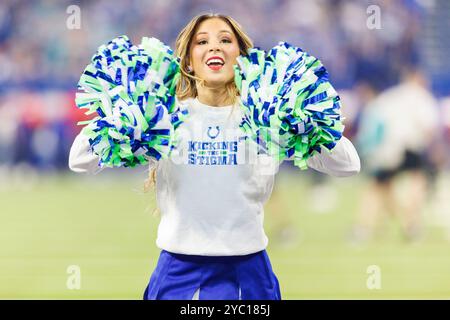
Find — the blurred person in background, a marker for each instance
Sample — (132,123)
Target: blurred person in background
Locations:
(397,130)
(8,132)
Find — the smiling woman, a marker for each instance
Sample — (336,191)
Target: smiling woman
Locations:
(212,188)
(213,54)
(208,47)
(204,259)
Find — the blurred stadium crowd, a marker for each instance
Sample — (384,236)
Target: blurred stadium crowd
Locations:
(41,59)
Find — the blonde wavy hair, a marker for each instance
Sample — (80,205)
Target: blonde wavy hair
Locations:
(187,84)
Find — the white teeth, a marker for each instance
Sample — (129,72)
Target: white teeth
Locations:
(215,61)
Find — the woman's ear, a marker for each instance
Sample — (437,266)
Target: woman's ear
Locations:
(188,64)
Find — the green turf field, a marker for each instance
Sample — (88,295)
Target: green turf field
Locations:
(105,227)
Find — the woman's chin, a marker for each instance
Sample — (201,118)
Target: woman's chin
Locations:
(216,82)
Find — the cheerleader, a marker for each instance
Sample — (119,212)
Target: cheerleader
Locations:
(212,189)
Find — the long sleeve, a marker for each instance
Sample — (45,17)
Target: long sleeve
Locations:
(81,160)
(342,161)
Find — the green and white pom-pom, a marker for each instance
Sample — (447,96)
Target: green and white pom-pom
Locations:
(132,89)
(290,108)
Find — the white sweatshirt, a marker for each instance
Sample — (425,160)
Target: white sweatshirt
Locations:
(212,190)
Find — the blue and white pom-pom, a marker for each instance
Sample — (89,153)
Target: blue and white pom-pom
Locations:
(132,90)
(290,108)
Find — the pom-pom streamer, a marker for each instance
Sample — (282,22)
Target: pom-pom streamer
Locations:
(290,108)
(132,90)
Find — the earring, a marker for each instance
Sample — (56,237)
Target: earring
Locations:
(189,69)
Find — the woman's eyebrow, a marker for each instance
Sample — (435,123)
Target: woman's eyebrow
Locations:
(221,31)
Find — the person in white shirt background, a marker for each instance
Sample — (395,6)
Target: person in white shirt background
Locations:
(397,138)
(212,189)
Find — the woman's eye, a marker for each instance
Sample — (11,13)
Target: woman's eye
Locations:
(204,41)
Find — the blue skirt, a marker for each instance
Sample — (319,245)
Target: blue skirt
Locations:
(187,277)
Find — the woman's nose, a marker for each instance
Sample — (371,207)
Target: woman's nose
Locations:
(214,47)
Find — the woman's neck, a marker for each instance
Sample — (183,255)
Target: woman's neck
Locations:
(214,97)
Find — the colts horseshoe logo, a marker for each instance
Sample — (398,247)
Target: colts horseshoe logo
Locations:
(211,135)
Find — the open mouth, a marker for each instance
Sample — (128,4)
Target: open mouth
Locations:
(215,63)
